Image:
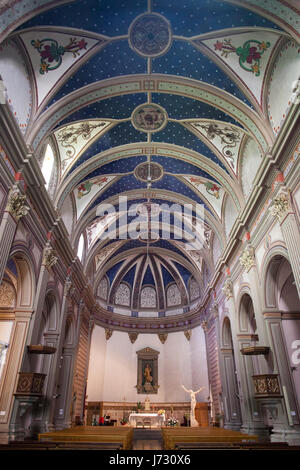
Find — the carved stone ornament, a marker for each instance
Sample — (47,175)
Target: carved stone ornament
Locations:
(227,289)
(279,206)
(214,310)
(163,337)
(133,337)
(49,259)
(7,295)
(108,333)
(16,204)
(247,258)
(69,289)
(188,334)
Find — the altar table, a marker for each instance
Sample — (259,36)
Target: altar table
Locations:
(154,419)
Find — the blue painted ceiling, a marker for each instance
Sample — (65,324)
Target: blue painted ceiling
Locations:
(188,18)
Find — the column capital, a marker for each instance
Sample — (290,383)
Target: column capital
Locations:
(49,259)
(247,259)
(227,289)
(69,289)
(16,203)
(280,204)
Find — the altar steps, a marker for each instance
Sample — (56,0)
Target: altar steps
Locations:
(147,434)
(147,439)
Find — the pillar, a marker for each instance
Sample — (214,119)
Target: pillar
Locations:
(252,422)
(53,383)
(283,414)
(15,209)
(10,373)
(281,208)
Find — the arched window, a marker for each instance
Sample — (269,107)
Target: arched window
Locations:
(148,297)
(48,165)
(123,295)
(173,296)
(80,247)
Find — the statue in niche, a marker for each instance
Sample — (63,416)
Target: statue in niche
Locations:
(193,394)
(147,374)
(147,371)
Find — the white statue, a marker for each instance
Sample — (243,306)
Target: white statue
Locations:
(193,394)
(147,404)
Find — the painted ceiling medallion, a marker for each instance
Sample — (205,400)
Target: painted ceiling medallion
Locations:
(148,172)
(149,117)
(150,35)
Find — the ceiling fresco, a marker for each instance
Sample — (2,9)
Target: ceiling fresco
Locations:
(160,102)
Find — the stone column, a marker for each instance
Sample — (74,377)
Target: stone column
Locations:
(247,260)
(215,314)
(281,208)
(10,373)
(53,384)
(283,413)
(67,385)
(15,209)
(48,261)
(250,412)
(91,327)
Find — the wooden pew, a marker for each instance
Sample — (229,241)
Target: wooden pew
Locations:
(62,446)
(92,434)
(171,436)
(233,445)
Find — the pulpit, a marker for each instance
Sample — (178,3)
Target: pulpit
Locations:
(201,414)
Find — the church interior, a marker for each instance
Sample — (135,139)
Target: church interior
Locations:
(149,223)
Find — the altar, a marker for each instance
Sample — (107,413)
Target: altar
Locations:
(153,420)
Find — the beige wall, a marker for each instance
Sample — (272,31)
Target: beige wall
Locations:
(113,366)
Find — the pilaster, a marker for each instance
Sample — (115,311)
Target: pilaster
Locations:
(16,208)
(281,208)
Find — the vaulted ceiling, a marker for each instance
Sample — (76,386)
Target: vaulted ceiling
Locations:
(162,102)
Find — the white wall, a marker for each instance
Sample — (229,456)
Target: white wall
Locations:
(113,366)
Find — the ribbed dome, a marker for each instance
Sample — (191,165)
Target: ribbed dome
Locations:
(152,283)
